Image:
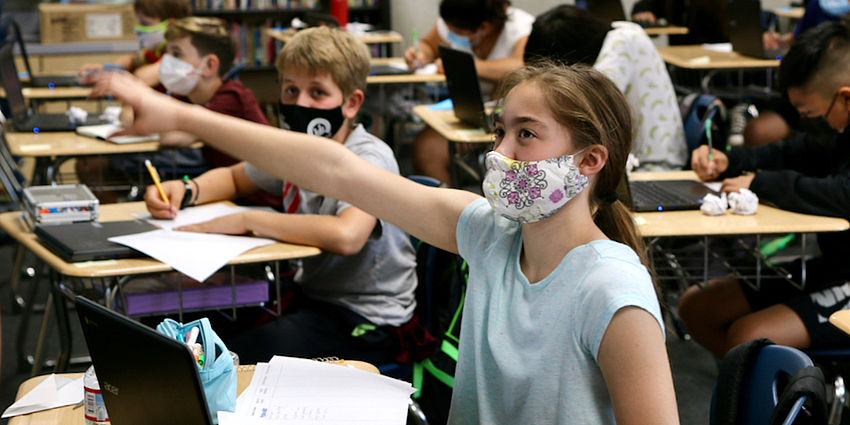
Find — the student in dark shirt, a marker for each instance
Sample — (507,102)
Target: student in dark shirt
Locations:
(803,175)
(705,19)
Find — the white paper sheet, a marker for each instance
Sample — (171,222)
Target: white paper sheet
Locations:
(197,214)
(197,255)
(299,391)
(53,391)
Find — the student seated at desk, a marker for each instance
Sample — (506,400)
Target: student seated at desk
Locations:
(561,322)
(362,287)
(800,175)
(198,53)
(625,54)
(153,17)
(495,33)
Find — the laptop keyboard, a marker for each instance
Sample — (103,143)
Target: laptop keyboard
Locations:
(649,193)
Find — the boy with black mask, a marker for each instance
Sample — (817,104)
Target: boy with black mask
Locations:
(353,295)
(799,174)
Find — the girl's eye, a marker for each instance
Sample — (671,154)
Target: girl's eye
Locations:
(525,134)
(499,133)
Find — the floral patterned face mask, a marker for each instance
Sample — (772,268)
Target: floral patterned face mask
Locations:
(529,191)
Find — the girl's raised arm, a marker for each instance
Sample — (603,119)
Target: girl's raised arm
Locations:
(314,163)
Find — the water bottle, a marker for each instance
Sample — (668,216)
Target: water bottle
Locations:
(95,413)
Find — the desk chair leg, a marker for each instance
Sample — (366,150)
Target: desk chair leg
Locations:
(838,401)
(23,326)
(15,279)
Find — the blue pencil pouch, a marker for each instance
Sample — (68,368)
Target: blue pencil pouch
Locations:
(218,374)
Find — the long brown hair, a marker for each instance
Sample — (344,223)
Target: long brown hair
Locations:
(595,112)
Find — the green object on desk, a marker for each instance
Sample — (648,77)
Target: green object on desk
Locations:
(363,329)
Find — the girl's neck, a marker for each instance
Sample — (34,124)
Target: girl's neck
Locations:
(547,242)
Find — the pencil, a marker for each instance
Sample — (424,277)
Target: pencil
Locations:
(155,177)
(708,124)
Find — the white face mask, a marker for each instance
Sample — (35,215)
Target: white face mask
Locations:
(151,36)
(178,76)
(529,191)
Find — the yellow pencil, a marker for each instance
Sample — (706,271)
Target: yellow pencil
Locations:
(155,177)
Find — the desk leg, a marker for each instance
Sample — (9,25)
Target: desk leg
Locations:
(704,261)
(38,357)
(803,262)
(59,300)
(758,261)
(23,326)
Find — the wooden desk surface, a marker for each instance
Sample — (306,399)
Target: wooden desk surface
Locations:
(69,416)
(400,79)
(668,30)
(69,143)
(370,37)
(57,93)
(683,56)
(13,224)
(841,319)
(767,220)
(447,124)
(790,12)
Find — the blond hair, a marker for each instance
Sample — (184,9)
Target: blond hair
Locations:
(595,111)
(163,9)
(325,50)
(209,35)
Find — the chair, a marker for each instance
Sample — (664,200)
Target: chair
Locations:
(697,109)
(760,383)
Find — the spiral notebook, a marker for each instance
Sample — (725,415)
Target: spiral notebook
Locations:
(105,132)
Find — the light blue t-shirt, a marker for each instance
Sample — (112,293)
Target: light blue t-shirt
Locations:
(528,353)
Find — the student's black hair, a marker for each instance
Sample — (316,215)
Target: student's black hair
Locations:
(470,14)
(566,34)
(813,54)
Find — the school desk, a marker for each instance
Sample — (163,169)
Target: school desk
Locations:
(693,57)
(51,148)
(666,30)
(766,221)
(790,12)
(841,319)
(69,415)
(106,272)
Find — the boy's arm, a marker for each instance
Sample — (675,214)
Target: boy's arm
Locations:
(497,68)
(634,364)
(343,234)
(177,139)
(430,214)
(148,73)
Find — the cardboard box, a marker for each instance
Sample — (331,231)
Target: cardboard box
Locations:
(72,23)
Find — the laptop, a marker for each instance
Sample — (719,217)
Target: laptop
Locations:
(612,10)
(663,195)
(10,175)
(88,241)
(745,30)
(145,376)
(464,88)
(24,118)
(40,80)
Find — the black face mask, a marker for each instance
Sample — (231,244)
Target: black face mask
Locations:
(313,121)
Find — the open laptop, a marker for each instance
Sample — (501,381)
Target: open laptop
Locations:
(24,118)
(612,10)
(88,241)
(745,30)
(464,88)
(663,195)
(10,175)
(145,376)
(40,80)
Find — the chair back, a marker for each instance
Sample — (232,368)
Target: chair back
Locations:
(760,383)
(10,176)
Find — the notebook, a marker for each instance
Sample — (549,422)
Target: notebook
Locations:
(145,376)
(40,80)
(664,195)
(464,88)
(105,131)
(89,240)
(24,118)
(745,30)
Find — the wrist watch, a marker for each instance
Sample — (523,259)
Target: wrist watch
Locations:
(188,196)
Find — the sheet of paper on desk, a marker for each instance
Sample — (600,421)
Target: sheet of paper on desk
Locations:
(197,255)
(197,214)
(53,391)
(290,391)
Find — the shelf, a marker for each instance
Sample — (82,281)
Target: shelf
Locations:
(255,12)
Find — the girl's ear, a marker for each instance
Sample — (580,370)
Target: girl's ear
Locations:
(352,104)
(593,159)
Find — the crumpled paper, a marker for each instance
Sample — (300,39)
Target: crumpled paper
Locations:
(714,205)
(112,114)
(632,162)
(743,202)
(77,115)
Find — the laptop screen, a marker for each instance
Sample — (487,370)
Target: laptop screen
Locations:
(9,171)
(607,10)
(464,88)
(11,83)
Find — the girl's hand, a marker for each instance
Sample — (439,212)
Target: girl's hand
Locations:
(233,224)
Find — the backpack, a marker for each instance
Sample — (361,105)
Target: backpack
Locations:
(697,109)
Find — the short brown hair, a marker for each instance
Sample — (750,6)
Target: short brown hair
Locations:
(208,35)
(325,50)
(163,9)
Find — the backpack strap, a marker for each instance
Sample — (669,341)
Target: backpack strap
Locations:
(808,382)
(731,378)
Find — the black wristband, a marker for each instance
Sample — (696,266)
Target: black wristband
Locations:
(188,196)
